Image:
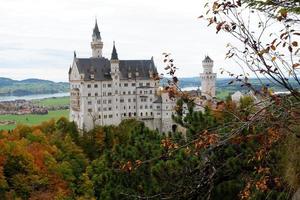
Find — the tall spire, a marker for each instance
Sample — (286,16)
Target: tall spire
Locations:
(96,32)
(114,54)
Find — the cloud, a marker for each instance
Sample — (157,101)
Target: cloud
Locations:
(38,37)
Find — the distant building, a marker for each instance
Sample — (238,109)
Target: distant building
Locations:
(107,91)
(208,79)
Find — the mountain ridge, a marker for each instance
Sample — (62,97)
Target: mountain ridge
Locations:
(9,87)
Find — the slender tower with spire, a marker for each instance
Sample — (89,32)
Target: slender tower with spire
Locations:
(96,44)
(208,79)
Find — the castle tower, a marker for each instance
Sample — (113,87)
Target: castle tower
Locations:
(115,75)
(208,79)
(96,43)
(114,60)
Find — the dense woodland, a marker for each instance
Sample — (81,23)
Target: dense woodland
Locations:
(129,161)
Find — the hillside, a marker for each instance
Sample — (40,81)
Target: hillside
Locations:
(30,86)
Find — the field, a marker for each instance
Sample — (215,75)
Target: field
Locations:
(61,101)
(37,119)
(32,119)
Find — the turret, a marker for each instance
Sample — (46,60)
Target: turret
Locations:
(96,44)
(207,64)
(208,79)
(114,61)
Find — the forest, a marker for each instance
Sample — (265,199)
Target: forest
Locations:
(55,161)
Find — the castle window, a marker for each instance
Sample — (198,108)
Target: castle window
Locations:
(145,92)
(104,109)
(99,109)
(129,92)
(105,116)
(95,86)
(150,91)
(104,85)
(150,100)
(151,113)
(110,116)
(148,84)
(109,101)
(134,114)
(132,84)
(141,92)
(104,93)
(104,101)
(146,113)
(158,107)
(134,100)
(129,100)
(89,85)
(108,85)
(89,110)
(146,107)
(150,106)
(99,116)
(116,91)
(124,108)
(89,94)
(124,93)
(96,94)
(109,94)
(140,84)
(167,107)
(98,101)
(141,107)
(89,103)
(125,84)
(122,100)
(109,108)
(119,84)
(141,114)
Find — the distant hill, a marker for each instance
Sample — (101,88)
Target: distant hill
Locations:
(30,86)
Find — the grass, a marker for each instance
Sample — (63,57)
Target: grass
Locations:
(31,119)
(58,101)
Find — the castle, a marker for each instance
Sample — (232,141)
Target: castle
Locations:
(106,91)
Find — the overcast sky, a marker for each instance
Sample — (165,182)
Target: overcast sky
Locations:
(38,37)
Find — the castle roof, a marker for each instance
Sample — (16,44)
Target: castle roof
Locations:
(96,31)
(114,54)
(100,68)
(207,59)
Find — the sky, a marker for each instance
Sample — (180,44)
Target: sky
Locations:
(38,37)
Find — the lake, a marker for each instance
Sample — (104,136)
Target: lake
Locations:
(32,97)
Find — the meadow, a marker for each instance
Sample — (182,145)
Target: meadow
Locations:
(58,101)
(32,119)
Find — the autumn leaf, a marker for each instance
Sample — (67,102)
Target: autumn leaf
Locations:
(296,65)
(295,43)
